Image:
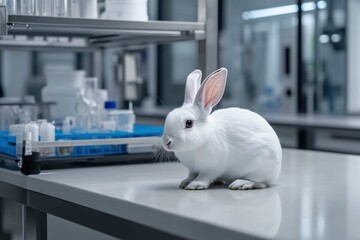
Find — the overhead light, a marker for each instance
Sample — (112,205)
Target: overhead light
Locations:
(324,38)
(321,4)
(310,6)
(268,12)
(287,9)
(335,38)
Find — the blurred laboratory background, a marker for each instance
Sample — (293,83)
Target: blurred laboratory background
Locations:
(276,65)
(88,67)
(259,44)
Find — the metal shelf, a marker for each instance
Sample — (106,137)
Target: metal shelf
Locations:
(101,32)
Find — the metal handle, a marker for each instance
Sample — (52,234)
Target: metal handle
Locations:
(93,142)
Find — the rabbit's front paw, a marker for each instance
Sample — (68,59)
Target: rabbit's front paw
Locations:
(240,184)
(184,183)
(197,185)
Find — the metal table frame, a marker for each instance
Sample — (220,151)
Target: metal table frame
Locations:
(36,206)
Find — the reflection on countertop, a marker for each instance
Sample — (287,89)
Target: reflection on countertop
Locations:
(316,197)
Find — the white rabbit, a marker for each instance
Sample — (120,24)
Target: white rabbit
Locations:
(231,145)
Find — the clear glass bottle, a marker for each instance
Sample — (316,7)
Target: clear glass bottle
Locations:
(86,107)
(24,115)
(109,106)
(83,116)
(101,98)
(91,85)
(31,109)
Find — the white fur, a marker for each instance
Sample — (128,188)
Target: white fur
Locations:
(227,145)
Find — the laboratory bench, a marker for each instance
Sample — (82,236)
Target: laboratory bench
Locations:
(316,197)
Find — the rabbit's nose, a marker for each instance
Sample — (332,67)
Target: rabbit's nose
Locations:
(168,141)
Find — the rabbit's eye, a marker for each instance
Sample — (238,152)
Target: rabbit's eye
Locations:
(188,124)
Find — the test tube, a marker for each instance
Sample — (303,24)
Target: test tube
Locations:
(60,8)
(11,6)
(74,8)
(27,7)
(43,7)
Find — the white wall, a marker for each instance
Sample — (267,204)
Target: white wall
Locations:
(16,69)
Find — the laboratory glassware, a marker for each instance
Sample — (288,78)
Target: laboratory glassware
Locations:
(11,6)
(60,8)
(43,7)
(27,7)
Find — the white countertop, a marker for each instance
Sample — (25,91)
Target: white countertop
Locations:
(316,197)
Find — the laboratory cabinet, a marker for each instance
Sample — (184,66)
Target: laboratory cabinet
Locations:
(330,140)
(337,141)
(319,132)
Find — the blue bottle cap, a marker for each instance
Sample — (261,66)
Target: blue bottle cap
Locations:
(110,105)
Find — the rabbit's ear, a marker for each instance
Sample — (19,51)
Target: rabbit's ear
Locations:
(211,90)
(192,86)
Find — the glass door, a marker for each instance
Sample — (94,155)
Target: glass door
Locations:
(258,45)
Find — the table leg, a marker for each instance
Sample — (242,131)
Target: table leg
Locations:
(3,234)
(34,224)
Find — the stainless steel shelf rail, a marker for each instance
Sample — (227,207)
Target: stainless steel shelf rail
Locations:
(92,142)
(101,32)
(30,161)
(109,33)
